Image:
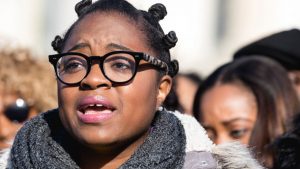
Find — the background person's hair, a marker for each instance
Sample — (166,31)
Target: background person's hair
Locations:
(207,84)
(274,93)
(172,101)
(287,147)
(28,77)
(193,76)
(148,22)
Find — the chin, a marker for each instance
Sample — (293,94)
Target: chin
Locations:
(97,138)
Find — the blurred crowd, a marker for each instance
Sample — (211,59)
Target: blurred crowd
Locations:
(253,99)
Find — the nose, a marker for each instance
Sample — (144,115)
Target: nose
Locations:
(95,79)
(222,138)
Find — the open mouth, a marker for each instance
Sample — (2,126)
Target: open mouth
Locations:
(95,111)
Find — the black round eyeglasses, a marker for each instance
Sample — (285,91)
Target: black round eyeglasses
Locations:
(119,67)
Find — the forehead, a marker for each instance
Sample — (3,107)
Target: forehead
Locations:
(106,16)
(6,98)
(105,27)
(229,101)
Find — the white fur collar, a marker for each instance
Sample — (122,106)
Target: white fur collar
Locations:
(4,155)
(196,137)
(232,155)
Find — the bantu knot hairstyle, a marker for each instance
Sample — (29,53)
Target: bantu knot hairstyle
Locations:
(173,68)
(170,40)
(158,11)
(148,22)
(81,6)
(57,44)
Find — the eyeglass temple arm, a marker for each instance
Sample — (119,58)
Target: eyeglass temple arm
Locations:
(156,62)
(52,59)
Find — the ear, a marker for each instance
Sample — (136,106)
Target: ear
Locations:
(164,88)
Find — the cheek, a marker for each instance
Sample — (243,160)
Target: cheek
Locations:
(66,102)
(246,139)
(139,98)
(142,95)
(66,94)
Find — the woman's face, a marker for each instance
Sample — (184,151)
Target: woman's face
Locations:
(295,78)
(97,113)
(8,128)
(229,113)
(186,90)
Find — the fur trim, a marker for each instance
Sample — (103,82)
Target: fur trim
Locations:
(196,137)
(4,155)
(234,155)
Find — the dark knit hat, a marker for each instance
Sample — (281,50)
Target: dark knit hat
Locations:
(284,47)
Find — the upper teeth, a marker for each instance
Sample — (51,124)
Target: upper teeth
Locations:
(98,105)
(94,105)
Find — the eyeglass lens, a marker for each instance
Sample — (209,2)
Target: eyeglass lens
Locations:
(118,67)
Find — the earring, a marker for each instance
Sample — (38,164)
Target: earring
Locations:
(161,108)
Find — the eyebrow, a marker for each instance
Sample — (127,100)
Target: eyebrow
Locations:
(205,126)
(117,46)
(79,46)
(226,123)
(109,46)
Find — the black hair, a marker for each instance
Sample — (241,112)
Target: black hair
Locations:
(275,96)
(287,147)
(148,22)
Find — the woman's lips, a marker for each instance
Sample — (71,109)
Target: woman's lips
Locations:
(95,109)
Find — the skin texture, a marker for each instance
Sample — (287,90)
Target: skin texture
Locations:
(295,78)
(186,90)
(229,113)
(112,140)
(8,129)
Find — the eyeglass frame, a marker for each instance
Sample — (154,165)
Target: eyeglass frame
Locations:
(138,56)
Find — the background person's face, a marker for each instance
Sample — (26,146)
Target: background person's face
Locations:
(186,90)
(8,128)
(127,110)
(295,78)
(229,113)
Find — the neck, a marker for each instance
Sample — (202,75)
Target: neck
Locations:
(108,157)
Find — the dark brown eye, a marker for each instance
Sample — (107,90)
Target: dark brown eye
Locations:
(237,134)
(121,65)
(71,64)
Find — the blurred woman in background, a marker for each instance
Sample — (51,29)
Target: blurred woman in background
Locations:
(249,100)
(25,90)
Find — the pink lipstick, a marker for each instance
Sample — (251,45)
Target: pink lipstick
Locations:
(95,109)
